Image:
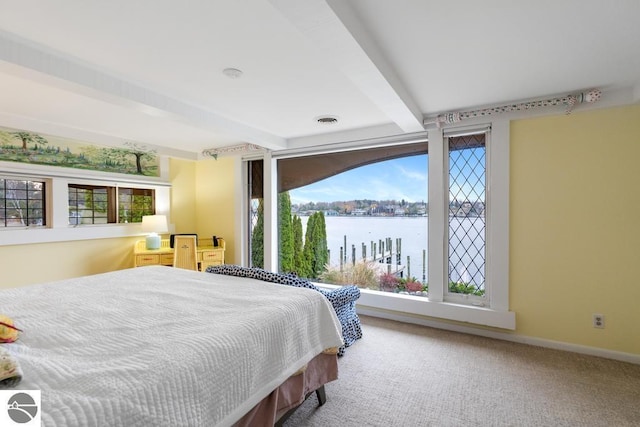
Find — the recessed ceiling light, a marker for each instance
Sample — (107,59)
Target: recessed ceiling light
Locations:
(232,73)
(327,120)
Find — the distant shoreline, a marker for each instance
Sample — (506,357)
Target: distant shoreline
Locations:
(305,214)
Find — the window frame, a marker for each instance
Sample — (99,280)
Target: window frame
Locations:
(110,203)
(57,179)
(113,202)
(496,311)
(447,295)
(44,200)
(122,192)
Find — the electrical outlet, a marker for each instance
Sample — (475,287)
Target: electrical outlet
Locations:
(598,321)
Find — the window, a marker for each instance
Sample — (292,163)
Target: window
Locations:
(465,263)
(56,203)
(90,204)
(22,203)
(466,222)
(374,223)
(133,203)
(255,223)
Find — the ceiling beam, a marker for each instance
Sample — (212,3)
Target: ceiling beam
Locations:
(341,39)
(29,60)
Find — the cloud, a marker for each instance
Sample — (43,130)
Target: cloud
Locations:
(412,174)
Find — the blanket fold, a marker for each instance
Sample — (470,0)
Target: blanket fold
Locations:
(10,372)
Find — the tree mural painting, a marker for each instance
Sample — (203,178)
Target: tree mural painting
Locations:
(141,153)
(133,158)
(27,137)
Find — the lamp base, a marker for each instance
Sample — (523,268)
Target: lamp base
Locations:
(153,241)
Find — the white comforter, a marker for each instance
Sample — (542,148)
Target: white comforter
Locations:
(157,346)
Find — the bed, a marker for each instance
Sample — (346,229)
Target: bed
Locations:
(162,346)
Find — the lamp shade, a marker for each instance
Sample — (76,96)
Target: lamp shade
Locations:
(154,224)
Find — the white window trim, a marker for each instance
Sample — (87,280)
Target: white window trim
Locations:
(451,307)
(489,241)
(382,304)
(58,180)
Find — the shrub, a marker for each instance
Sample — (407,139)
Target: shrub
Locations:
(361,274)
(465,288)
(413,285)
(389,282)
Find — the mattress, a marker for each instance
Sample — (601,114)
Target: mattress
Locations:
(162,346)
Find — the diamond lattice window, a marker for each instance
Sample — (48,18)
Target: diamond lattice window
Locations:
(256,213)
(467,224)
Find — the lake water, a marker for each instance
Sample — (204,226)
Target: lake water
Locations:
(413,232)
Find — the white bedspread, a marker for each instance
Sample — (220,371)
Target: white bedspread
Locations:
(157,346)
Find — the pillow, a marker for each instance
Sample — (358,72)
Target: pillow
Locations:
(10,372)
(8,332)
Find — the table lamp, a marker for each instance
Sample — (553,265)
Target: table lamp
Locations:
(154,224)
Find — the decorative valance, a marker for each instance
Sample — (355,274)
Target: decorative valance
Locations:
(570,101)
(230,150)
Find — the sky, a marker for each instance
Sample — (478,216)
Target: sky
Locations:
(404,178)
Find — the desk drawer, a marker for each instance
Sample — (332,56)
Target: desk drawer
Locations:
(147,260)
(212,255)
(166,259)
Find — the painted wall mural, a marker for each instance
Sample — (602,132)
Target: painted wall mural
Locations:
(28,147)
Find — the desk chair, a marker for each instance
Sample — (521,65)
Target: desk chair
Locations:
(184,255)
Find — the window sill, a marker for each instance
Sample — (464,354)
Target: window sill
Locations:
(35,235)
(371,302)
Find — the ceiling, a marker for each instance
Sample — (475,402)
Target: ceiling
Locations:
(151,71)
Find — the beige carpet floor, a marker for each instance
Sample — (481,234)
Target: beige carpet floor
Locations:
(408,375)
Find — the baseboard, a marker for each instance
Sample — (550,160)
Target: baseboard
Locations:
(522,339)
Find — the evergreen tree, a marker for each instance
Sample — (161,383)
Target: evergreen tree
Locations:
(309,247)
(285,233)
(322,251)
(257,239)
(301,266)
(315,245)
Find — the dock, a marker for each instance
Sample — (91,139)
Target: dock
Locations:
(385,255)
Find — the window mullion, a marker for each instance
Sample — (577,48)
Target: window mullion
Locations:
(498,216)
(60,203)
(112,205)
(270,198)
(437,269)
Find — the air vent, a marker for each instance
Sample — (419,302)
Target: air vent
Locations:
(232,73)
(327,120)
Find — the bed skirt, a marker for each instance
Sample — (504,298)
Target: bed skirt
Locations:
(290,394)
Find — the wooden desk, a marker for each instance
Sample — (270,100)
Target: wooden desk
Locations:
(207,255)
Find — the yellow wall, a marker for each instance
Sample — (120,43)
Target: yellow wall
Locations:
(215,202)
(45,262)
(575,227)
(182,174)
(202,200)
